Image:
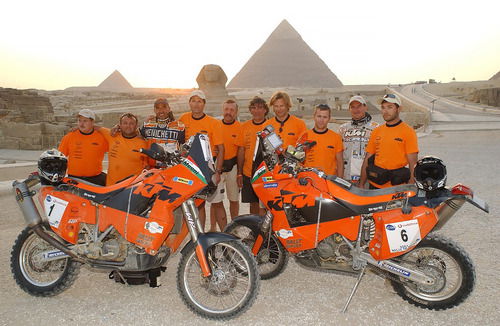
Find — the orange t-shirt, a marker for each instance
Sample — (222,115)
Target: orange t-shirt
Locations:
(85,152)
(230,133)
(247,139)
(205,125)
(391,144)
(323,154)
(289,130)
(123,161)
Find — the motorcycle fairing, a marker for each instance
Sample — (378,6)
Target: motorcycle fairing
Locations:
(420,218)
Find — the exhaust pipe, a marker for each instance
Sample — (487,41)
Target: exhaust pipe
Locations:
(447,209)
(24,198)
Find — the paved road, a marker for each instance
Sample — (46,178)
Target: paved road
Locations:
(447,114)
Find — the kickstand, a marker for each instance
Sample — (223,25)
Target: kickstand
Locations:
(360,276)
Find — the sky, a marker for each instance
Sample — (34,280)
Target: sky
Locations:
(57,44)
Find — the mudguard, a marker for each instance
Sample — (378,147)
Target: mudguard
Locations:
(207,240)
(252,221)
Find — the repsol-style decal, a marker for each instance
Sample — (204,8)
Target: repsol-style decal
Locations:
(284,233)
(153,227)
(183,180)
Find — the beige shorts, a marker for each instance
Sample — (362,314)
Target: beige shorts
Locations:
(227,185)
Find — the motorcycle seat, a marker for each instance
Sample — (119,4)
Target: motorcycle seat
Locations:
(370,192)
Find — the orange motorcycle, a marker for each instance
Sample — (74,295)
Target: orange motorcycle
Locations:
(326,223)
(131,229)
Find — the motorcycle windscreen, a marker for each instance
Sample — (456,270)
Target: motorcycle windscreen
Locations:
(201,154)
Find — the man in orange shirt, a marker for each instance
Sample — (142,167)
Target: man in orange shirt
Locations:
(327,154)
(124,158)
(85,150)
(231,129)
(197,121)
(287,126)
(391,148)
(246,142)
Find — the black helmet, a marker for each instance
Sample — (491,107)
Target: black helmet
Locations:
(52,165)
(430,173)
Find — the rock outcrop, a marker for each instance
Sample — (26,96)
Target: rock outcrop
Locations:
(487,96)
(27,121)
(285,60)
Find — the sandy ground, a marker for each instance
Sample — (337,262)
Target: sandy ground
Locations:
(297,296)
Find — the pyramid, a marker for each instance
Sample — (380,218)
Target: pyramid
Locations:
(115,82)
(284,60)
(496,76)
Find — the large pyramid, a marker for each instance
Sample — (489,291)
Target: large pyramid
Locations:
(115,82)
(496,76)
(284,60)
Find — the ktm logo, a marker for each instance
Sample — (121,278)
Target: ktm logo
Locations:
(399,195)
(163,192)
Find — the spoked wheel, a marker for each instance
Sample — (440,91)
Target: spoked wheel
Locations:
(450,267)
(229,291)
(272,257)
(37,274)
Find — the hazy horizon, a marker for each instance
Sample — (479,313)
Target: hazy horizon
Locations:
(157,44)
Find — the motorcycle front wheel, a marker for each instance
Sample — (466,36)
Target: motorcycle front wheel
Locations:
(36,274)
(230,289)
(449,265)
(272,257)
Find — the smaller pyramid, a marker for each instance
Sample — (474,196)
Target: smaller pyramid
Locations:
(496,76)
(115,82)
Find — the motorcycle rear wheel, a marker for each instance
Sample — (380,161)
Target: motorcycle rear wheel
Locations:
(272,257)
(36,276)
(451,267)
(229,291)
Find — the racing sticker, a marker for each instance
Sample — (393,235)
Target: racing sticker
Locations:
(54,209)
(284,233)
(402,235)
(153,227)
(183,180)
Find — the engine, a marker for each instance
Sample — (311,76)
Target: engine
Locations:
(334,249)
(111,247)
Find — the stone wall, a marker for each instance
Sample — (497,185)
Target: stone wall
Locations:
(487,96)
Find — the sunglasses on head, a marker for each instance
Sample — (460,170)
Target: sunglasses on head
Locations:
(389,96)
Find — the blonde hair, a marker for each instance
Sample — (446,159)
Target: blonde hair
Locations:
(281,95)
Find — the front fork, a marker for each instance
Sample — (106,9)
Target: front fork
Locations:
(194,226)
(264,229)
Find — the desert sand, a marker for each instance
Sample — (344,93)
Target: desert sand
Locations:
(297,296)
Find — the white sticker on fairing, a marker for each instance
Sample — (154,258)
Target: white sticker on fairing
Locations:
(54,209)
(285,234)
(402,235)
(153,227)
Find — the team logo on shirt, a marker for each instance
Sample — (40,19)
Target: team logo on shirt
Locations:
(398,139)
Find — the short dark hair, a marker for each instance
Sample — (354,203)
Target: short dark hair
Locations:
(259,101)
(323,107)
(128,115)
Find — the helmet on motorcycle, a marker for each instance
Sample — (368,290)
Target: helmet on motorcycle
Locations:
(430,173)
(52,165)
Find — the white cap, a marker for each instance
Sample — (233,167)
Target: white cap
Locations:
(86,113)
(198,93)
(391,98)
(357,98)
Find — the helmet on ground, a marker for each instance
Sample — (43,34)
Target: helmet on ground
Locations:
(430,173)
(52,165)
